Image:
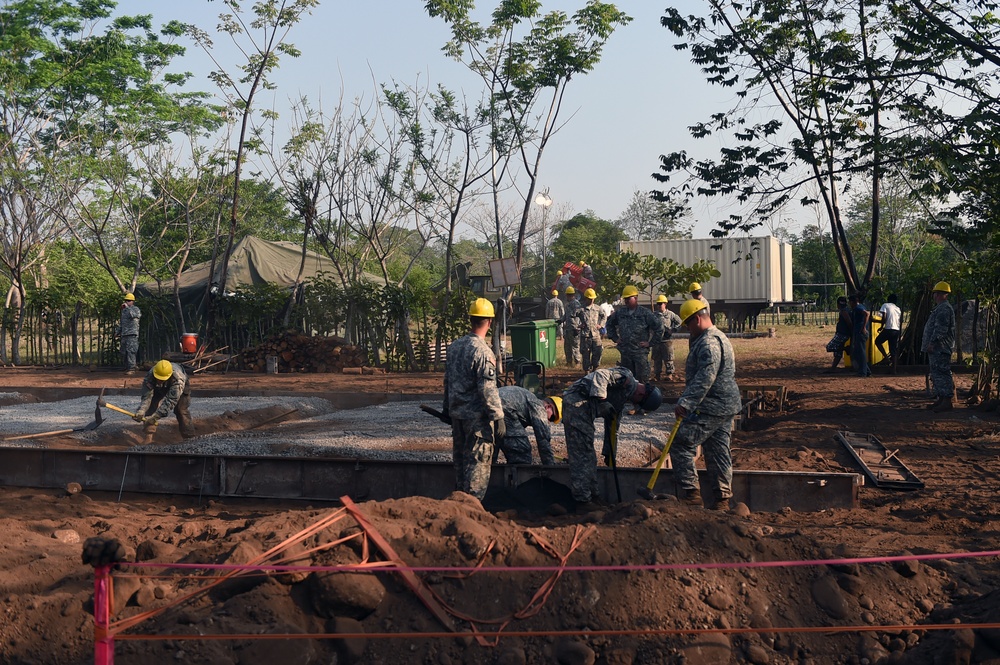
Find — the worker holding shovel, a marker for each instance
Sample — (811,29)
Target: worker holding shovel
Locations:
(708,405)
(600,394)
(166,388)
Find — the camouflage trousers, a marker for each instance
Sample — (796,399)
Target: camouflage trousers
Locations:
(712,434)
(637,363)
(591,350)
(663,358)
(571,345)
(183,412)
(472,453)
(130,347)
(516,448)
(942,383)
(578,420)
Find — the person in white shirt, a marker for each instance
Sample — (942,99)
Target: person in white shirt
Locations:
(892,317)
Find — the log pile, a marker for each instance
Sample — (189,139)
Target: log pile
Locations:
(296,352)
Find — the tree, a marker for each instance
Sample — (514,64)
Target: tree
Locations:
(260,36)
(67,90)
(583,234)
(526,76)
(648,218)
(835,72)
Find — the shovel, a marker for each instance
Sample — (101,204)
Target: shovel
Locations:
(98,419)
(647,491)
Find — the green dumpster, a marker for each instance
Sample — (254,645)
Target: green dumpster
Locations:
(534,340)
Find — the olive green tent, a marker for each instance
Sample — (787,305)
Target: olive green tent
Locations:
(253,261)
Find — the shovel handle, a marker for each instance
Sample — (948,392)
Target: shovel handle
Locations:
(663,455)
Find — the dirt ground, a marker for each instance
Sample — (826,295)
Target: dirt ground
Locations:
(610,612)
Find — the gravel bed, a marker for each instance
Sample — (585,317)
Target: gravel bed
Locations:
(396,431)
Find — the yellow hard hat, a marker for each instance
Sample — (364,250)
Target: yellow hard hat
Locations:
(129,296)
(582,264)
(555,292)
(661,298)
(559,272)
(943,287)
(691,307)
(590,293)
(570,290)
(695,286)
(629,291)
(163,370)
(483,308)
(557,403)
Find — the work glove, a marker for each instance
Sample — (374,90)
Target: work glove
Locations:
(138,417)
(606,410)
(151,420)
(499,429)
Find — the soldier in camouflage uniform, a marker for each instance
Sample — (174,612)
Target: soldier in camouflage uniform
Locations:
(663,353)
(708,405)
(938,343)
(520,409)
(555,310)
(635,329)
(472,401)
(571,335)
(166,388)
(128,328)
(600,394)
(590,320)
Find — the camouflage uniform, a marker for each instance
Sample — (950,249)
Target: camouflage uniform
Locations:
(520,409)
(571,336)
(556,310)
(590,321)
(712,399)
(627,328)
(581,404)
(938,343)
(159,398)
(129,331)
(473,402)
(663,353)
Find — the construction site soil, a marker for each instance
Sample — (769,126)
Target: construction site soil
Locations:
(633,593)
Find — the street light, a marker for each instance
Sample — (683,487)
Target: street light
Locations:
(544,200)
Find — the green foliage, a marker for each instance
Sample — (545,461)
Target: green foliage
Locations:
(615,270)
(582,234)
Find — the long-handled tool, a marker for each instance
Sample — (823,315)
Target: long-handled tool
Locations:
(647,491)
(611,449)
(102,402)
(94,424)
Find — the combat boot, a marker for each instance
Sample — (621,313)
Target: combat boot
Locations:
(944,404)
(935,405)
(721,504)
(692,498)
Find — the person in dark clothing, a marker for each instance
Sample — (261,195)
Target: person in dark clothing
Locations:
(841,335)
(859,335)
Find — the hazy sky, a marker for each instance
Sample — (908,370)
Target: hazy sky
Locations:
(635,105)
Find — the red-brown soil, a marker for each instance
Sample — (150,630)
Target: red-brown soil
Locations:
(46,590)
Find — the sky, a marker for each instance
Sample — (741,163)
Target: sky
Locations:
(634,106)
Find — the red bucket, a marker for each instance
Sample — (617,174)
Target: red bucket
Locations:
(189,342)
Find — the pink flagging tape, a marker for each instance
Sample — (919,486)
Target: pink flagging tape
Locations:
(390,567)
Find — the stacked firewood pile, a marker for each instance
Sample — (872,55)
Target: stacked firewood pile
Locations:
(295,352)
